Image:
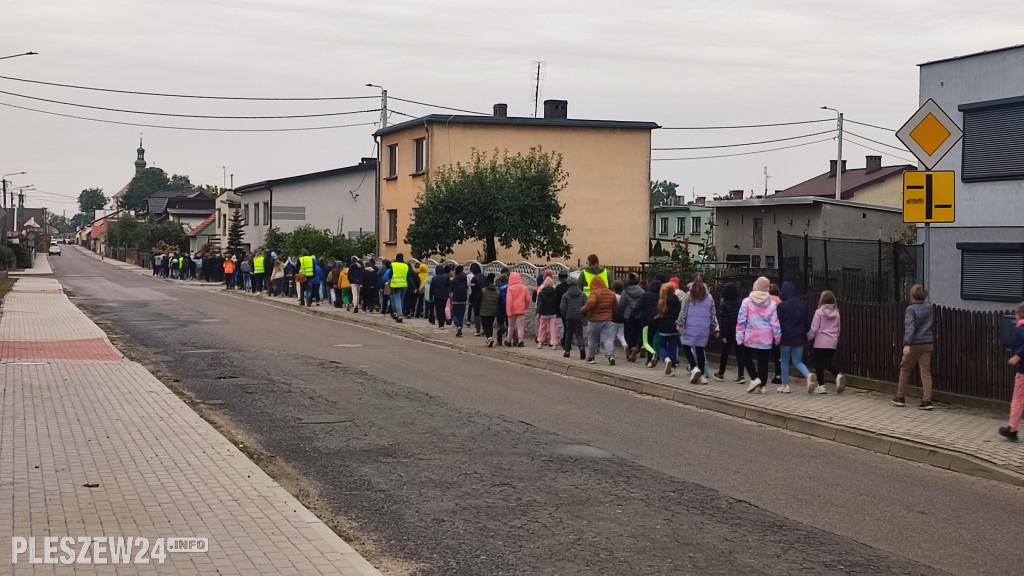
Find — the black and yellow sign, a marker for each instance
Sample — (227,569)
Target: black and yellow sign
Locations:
(928,196)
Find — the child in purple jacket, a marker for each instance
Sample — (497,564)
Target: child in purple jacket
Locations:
(825,333)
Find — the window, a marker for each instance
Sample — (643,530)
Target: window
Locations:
(392,224)
(664,226)
(266,213)
(755,261)
(695,225)
(991,271)
(256,214)
(769,261)
(392,161)
(419,155)
(758,225)
(993,140)
(680,225)
(245,215)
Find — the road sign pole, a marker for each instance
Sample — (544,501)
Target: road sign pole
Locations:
(928,256)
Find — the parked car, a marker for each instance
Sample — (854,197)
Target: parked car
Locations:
(54,247)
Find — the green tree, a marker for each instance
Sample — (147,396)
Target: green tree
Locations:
(142,186)
(179,183)
(662,191)
(276,241)
(81,220)
(168,233)
(125,233)
(318,242)
(90,200)
(236,233)
(502,200)
(61,223)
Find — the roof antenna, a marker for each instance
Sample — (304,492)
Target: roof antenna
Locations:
(536,85)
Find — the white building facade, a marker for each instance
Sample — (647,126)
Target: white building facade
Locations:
(340,200)
(977,262)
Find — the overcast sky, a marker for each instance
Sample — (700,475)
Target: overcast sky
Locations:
(677,63)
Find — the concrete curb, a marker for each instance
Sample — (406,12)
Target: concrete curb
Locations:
(874,442)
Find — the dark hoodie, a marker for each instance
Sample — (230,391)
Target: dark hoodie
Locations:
(632,298)
(649,303)
(729,311)
(793,317)
(572,302)
(460,288)
(547,301)
(441,285)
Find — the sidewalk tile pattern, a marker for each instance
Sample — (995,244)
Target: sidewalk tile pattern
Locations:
(161,470)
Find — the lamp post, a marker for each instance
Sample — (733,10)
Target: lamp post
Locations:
(839,154)
(383,105)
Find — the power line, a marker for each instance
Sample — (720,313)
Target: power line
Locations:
(393,111)
(746,143)
(187,127)
(855,143)
(877,142)
(738,127)
(868,125)
(293,116)
(138,93)
(745,153)
(436,106)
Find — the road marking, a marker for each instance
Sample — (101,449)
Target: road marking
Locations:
(205,351)
(349,345)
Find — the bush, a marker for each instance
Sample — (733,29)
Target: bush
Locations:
(23,254)
(8,258)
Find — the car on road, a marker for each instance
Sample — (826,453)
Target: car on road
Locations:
(54,247)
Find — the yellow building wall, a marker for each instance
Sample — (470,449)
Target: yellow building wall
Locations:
(605,201)
(888,192)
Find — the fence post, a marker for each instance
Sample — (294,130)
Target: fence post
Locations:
(897,279)
(807,282)
(828,277)
(782,259)
(879,276)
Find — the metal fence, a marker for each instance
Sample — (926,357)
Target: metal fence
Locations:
(855,270)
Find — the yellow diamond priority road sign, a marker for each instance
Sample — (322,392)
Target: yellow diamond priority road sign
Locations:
(929,134)
(928,196)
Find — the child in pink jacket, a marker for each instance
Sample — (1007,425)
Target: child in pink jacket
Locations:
(757,329)
(517,300)
(825,333)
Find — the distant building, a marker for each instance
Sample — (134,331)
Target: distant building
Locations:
(977,262)
(140,165)
(340,200)
(224,209)
(680,221)
(873,184)
(606,201)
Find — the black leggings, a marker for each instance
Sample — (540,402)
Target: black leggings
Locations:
(439,306)
(730,346)
(824,359)
(488,322)
(746,356)
(632,330)
(701,358)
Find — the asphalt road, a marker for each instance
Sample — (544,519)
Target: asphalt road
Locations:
(435,462)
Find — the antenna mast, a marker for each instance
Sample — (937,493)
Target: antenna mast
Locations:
(536,86)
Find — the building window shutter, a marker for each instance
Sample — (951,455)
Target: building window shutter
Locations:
(993,143)
(992,272)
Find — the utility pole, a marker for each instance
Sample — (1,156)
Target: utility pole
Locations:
(839,154)
(766,177)
(383,105)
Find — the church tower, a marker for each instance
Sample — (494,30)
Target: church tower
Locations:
(140,162)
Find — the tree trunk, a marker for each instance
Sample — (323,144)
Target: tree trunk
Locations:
(490,251)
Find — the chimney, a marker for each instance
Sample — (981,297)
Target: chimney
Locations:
(501,110)
(844,166)
(556,109)
(831,168)
(701,200)
(872,164)
(736,194)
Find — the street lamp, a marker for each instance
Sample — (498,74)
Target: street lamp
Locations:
(16,55)
(839,154)
(4,180)
(383,105)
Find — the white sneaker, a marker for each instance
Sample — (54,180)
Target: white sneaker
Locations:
(812,383)
(754,385)
(840,383)
(703,379)
(820,390)
(669,370)
(694,375)
(540,345)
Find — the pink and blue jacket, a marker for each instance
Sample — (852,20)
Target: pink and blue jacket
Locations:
(758,322)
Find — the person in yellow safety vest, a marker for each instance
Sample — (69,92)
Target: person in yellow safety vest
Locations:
(592,270)
(398,277)
(306,268)
(258,273)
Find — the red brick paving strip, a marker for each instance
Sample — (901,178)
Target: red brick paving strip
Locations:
(88,349)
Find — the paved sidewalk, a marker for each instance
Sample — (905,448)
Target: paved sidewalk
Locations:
(950,437)
(40,267)
(93,445)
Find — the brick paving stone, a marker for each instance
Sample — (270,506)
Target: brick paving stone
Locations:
(71,418)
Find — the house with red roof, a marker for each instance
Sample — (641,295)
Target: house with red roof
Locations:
(872,184)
